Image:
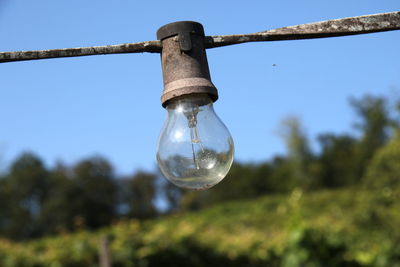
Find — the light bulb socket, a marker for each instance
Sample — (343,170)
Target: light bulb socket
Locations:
(184,61)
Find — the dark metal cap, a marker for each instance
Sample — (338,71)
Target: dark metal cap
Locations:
(180,27)
(184,61)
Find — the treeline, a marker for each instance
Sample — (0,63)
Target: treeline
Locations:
(36,200)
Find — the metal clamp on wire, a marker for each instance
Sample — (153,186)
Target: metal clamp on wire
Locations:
(184,30)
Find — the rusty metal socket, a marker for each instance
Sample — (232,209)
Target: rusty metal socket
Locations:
(184,61)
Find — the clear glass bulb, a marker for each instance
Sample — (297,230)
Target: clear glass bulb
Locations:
(195,149)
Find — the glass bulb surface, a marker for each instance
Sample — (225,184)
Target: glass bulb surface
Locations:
(195,149)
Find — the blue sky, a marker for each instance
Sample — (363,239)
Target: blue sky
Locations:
(69,109)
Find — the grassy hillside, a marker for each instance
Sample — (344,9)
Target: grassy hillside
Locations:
(348,227)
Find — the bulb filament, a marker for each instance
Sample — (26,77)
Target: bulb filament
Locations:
(194,134)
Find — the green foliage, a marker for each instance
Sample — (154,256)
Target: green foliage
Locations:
(374,123)
(307,247)
(326,228)
(384,170)
(337,160)
(299,153)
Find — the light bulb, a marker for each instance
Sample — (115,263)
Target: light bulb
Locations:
(195,149)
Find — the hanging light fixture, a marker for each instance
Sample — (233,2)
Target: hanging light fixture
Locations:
(195,149)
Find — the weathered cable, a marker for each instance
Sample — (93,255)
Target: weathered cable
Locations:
(150,46)
(330,28)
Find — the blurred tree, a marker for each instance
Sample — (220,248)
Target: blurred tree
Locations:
(281,178)
(300,156)
(60,208)
(196,200)
(384,170)
(375,125)
(337,160)
(93,196)
(24,191)
(238,184)
(173,195)
(141,195)
(242,182)
(4,205)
